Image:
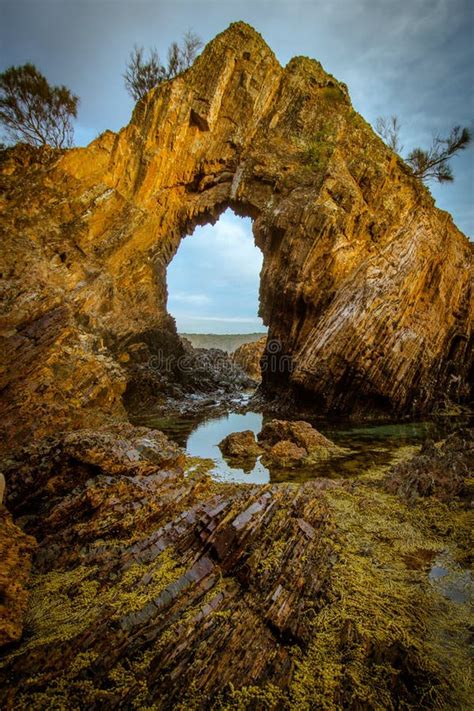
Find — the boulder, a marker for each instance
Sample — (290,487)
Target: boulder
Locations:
(442,470)
(240,445)
(285,454)
(300,433)
(248,357)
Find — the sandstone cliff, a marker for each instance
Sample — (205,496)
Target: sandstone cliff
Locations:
(365,283)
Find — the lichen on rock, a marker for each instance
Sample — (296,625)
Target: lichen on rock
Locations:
(240,445)
(288,596)
(293,443)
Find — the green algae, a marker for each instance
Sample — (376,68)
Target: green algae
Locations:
(266,697)
(64,604)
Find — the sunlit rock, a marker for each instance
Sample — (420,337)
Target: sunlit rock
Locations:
(365,284)
(240,445)
(249,355)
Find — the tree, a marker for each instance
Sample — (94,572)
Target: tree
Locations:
(34,112)
(389,129)
(142,75)
(431,164)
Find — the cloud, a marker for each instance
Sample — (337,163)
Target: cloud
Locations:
(226,251)
(194,299)
(214,278)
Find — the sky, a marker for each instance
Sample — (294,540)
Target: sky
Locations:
(412,58)
(225,257)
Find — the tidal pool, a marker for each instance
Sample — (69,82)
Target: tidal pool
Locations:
(450,579)
(368,446)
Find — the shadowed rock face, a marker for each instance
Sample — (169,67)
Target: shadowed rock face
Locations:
(16,550)
(365,284)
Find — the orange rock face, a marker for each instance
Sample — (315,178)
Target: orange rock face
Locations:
(365,284)
(249,355)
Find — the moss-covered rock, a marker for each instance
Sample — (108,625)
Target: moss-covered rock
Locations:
(240,445)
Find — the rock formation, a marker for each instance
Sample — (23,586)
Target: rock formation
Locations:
(240,445)
(442,470)
(16,550)
(285,454)
(156,587)
(301,433)
(365,285)
(249,355)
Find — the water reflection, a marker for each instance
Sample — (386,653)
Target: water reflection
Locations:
(450,579)
(368,446)
(204,440)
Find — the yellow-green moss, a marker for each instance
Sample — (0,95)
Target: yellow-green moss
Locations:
(383,620)
(273,558)
(379,623)
(267,697)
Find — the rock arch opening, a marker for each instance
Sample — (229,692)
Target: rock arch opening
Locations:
(208,305)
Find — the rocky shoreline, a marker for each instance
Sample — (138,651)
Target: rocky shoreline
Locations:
(154,586)
(129,577)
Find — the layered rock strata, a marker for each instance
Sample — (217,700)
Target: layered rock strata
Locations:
(248,357)
(16,550)
(365,285)
(155,587)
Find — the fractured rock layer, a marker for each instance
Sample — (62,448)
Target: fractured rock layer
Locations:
(156,587)
(16,550)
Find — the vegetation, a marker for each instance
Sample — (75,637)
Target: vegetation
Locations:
(319,151)
(32,111)
(433,163)
(141,75)
(389,129)
(381,634)
(430,164)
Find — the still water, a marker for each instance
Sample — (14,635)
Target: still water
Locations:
(367,446)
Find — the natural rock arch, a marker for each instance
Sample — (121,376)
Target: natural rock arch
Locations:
(364,282)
